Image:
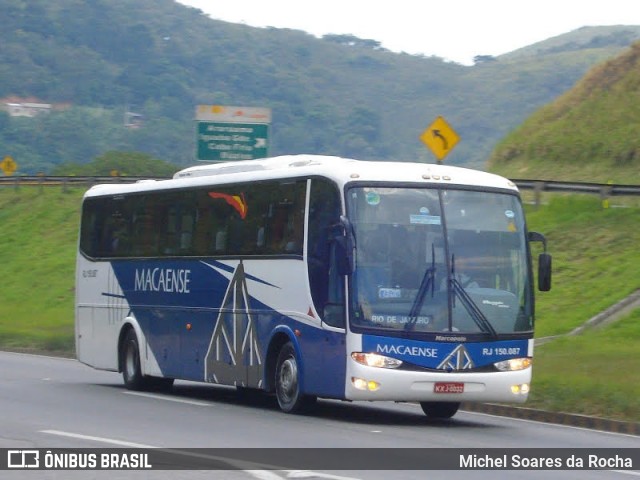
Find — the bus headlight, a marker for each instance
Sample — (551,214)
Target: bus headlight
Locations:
(513,364)
(375,360)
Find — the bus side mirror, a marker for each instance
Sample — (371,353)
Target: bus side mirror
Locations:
(544,263)
(544,272)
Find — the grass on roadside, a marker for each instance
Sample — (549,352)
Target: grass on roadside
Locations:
(595,259)
(596,373)
(38,236)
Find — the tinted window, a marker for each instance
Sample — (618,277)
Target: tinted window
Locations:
(264,218)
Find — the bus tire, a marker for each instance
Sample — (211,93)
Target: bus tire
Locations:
(287,382)
(131,370)
(440,409)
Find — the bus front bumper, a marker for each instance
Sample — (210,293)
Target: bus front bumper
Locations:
(371,383)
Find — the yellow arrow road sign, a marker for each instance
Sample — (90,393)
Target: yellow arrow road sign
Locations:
(440,137)
(8,165)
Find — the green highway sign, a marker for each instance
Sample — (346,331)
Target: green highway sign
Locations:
(227,133)
(232,141)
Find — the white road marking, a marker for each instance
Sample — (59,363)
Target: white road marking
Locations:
(310,474)
(168,398)
(112,441)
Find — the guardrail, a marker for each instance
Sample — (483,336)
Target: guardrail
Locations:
(69,180)
(605,190)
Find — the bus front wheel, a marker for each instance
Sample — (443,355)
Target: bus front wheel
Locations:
(132,371)
(440,409)
(290,399)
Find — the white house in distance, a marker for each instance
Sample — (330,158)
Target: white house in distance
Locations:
(28,107)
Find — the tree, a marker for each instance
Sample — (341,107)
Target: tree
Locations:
(478,59)
(123,163)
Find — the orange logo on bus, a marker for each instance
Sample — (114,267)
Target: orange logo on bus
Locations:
(236,201)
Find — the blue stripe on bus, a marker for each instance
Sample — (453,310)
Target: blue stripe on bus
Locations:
(230,269)
(177,304)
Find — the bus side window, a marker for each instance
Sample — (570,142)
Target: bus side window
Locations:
(118,245)
(96,235)
(326,285)
(201,236)
(144,228)
(170,235)
(294,232)
(187,221)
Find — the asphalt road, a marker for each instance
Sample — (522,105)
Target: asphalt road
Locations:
(52,403)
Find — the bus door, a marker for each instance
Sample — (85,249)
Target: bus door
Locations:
(327,286)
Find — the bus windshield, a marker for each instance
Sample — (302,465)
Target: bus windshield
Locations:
(439,260)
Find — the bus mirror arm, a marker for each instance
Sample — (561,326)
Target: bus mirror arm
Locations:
(538,237)
(345,247)
(544,263)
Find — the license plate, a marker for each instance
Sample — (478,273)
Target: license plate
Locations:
(448,387)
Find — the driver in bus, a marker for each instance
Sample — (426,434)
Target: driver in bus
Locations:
(463,267)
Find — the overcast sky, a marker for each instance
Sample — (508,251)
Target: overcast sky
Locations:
(456,30)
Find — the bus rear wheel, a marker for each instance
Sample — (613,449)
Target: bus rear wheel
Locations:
(440,409)
(287,382)
(132,371)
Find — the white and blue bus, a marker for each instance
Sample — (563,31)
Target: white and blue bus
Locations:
(311,276)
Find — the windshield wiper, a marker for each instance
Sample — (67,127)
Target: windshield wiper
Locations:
(471,307)
(426,283)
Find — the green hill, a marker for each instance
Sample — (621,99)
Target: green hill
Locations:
(596,261)
(38,236)
(590,133)
(99,61)
(583,39)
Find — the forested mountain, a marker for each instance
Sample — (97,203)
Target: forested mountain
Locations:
(96,61)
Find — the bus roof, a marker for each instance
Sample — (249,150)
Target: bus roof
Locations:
(340,170)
